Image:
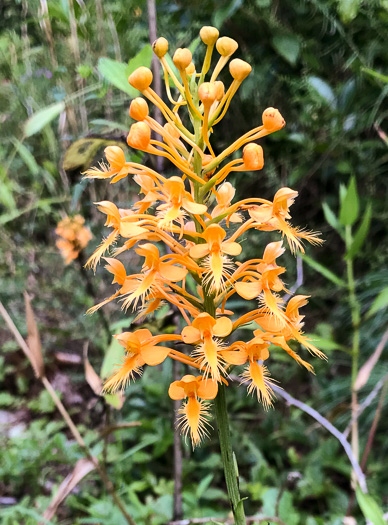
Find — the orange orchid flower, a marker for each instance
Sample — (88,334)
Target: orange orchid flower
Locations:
(141,348)
(117,165)
(215,248)
(74,237)
(194,412)
(264,279)
(176,197)
(128,226)
(275,215)
(154,273)
(290,326)
(202,332)
(257,374)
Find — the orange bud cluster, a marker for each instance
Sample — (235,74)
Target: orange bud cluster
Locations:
(74,237)
(189,235)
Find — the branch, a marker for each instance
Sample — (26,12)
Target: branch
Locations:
(291,401)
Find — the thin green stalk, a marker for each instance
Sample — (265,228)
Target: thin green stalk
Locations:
(228,458)
(355,313)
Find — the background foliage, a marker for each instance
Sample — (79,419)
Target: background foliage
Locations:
(322,63)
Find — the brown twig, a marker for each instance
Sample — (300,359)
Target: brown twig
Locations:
(373,428)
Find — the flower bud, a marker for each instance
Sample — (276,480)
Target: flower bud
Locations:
(253,157)
(272,119)
(220,89)
(207,93)
(226,46)
(172,130)
(138,109)
(139,136)
(160,47)
(209,35)
(141,78)
(115,156)
(239,69)
(190,69)
(182,58)
(207,159)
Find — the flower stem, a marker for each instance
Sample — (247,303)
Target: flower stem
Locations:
(228,458)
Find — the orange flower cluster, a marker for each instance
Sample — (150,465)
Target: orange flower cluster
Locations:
(74,237)
(189,233)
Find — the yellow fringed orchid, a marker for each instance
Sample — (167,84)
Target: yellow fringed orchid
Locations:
(194,411)
(202,332)
(215,248)
(141,348)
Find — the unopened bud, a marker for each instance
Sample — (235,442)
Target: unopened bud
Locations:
(172,130)
(253,157)
(190,69)
(138,109)
(139,136)
(115,156)
(239,69)
(207,93)
(272,119)
(226,46)
(207,159)
(220,89)
(141,78)
(182,58)
(209,35)
(160,47)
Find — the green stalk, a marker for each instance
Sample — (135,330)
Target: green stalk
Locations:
(228,457)
(356,315)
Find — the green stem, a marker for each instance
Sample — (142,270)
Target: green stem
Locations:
(228,457)
(355,313)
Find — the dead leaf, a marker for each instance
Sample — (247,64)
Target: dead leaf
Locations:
(91,376)
(366,369)
(33,340)
(81,469)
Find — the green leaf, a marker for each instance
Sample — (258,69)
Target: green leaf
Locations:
(43,117)
(322,88)
(143,58)
(324,271)
(288,47)
(112,359)
(26,156)
(350,205)
(370,508)
(330,217)
(371,72)
(348,9)
(361,233)
(204,485)
(227,11)
(379,303)
(117,73)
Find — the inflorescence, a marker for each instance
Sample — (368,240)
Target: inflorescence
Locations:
(188,232)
